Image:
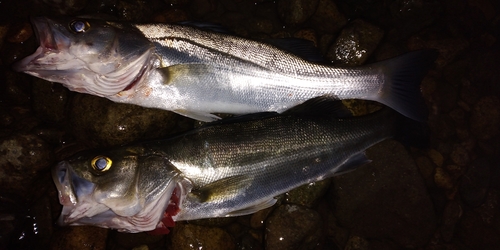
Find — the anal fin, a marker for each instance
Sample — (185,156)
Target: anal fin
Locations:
(351,164)
(254,208)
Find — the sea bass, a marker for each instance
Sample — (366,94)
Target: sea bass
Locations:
(228,168)
(196,73)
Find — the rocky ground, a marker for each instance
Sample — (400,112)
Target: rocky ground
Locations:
(443,197)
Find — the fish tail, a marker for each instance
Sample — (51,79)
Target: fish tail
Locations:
(402,89)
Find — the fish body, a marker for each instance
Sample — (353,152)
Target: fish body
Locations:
(196,72)
(224,169)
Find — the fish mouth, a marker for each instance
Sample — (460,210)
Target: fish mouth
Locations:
(43,33)
(48,41)
(71,189)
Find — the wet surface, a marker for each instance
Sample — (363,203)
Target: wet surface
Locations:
(443,197)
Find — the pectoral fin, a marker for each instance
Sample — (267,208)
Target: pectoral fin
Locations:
(223,189)
(187,73)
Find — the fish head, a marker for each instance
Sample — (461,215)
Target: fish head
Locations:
(122,189)
(88,55)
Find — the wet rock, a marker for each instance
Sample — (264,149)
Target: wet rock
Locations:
(386,199)
(22,157)
(436,157)
(327,18)
(451,216)
(476,182)
(52,135)
(307,34)
(200,8)
(468,93)
(249,242)
(383,244)
(426,169)
(411,16)
(259,25)
(307,195)
(293,227)
(459,155)
(20,32)
(134,10)
(25,226)
(6,119)
(49,100)
(443,179)
(187,236)
(458,116)
(333,231)
(442,128)
(79,238)
(174,2)
(455,171)
(19,120)
(214,222)
(474,233)
(445,97)
(129,241)
(16,89)
(66,7)
(296,11)
(456,71)
(257,219)
(100,122)
(355,43)
(4,29)
(484,73)
(171,16)
(449,49)
(360,107)
(357,243)
(485,118)
(489,211)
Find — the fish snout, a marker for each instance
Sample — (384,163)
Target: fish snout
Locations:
(61,176)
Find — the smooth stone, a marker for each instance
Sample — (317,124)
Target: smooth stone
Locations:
(188,236)
(293,227)
(386,198)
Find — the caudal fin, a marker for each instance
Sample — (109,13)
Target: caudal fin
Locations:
(402,89)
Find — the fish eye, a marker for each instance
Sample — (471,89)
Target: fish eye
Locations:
(79,26)
(101,163)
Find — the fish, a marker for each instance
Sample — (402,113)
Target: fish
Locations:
(199,73)
(227,168)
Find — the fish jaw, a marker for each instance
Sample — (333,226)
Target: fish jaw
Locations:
(51,45)
(80,207)
(75,195)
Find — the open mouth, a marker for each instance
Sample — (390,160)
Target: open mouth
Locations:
(46,42)
(43,33)
(62,178)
